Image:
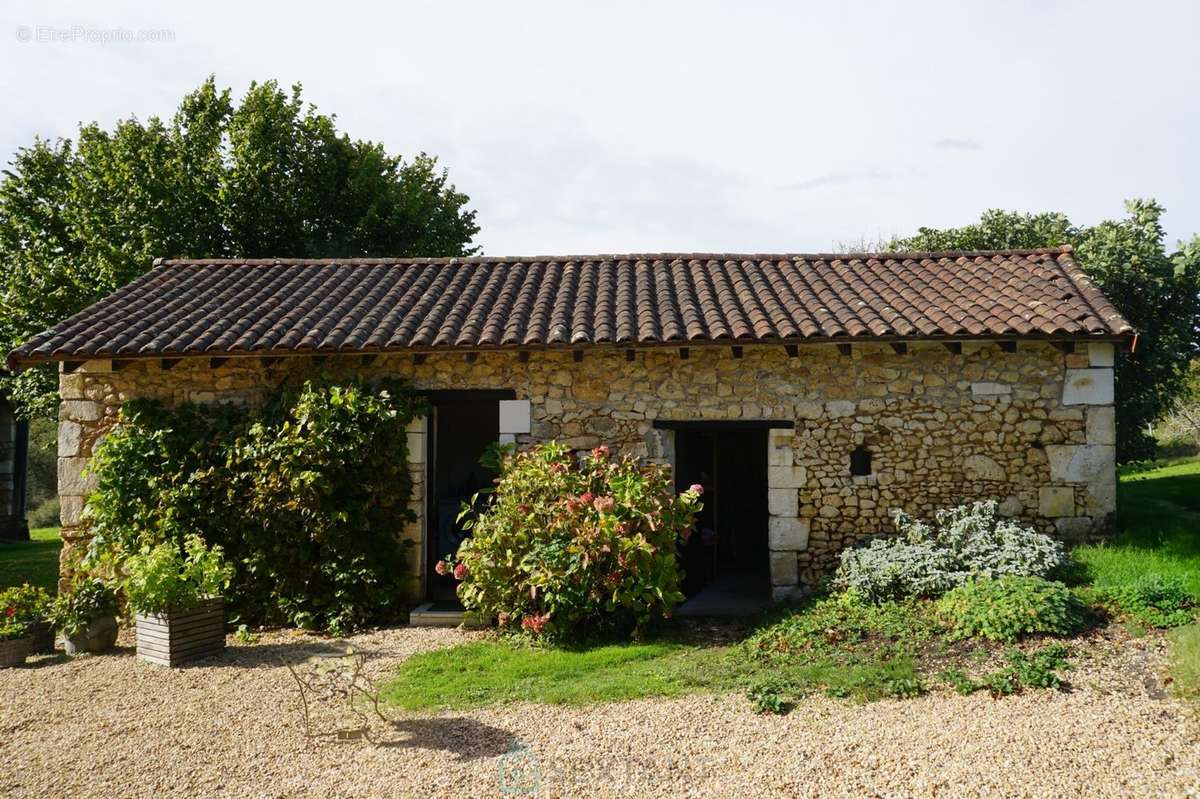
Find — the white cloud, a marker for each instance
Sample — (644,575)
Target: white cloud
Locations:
(679,126)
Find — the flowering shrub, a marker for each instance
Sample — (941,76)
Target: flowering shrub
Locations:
(20,607)
(567,547)
(963,543)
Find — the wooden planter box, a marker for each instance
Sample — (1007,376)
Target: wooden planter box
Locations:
(176,638)
(14,651)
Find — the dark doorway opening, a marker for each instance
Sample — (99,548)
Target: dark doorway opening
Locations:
(726,558)
(461,429)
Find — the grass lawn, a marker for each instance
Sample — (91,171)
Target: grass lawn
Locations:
(488,672)
(1159,519)
(34,561)
(826,645)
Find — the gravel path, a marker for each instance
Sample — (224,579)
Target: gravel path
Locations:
(108,726)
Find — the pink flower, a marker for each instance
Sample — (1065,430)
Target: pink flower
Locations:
(460,571)
(696,488)
(586,497)
(604,504)
(10,611)
(600,452)
(558,468)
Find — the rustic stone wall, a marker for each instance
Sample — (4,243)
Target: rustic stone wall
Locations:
(1032,429)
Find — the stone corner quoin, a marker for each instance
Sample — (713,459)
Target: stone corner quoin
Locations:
(1033,428)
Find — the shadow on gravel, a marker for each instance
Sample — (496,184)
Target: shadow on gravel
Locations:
(255,656)
(467,738)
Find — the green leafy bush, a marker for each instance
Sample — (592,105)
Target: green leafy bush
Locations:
(963,543)
(22,606)
(307,495)
(161,579)
(1006,608)
(88,599)
(1152,599)
(569,547)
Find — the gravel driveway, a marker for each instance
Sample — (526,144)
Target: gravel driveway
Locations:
(109,726)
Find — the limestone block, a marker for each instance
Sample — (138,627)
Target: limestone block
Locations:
(1088,387)
(1102,425)
(70,435)
(1100,354)
(786,477)
(783,502)
(70,510)
(514,416)
(416,447)
(1102,498)
(1073,528)
(985,389)
(80,410)
(1081,463)
(779,456)
(1011,506)
(838,409)
(785,569)
(71,479)
(809,410)
(787,593)
(981,467)
(786,533)
(1056,501)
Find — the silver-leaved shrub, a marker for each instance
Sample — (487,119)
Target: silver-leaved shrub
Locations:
(962,543)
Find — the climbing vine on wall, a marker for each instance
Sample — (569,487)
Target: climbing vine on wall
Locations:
(307,494)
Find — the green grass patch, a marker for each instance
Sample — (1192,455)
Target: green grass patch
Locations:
(34,561)
(1158,517)
(490,672)
(1185,661)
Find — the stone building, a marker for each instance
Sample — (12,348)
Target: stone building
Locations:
(811,395)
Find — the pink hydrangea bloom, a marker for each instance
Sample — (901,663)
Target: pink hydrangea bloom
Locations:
(604,504)
(460,571)
(440,568)
(697,488)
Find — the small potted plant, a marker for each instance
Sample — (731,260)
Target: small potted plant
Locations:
(23,627)
(176,600)
(86,614)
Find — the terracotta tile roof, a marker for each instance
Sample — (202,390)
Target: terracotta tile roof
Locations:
(266,306)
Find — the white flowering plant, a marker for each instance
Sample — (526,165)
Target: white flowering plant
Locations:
(963,543)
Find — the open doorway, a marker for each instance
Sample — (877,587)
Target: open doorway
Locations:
(726,559)
(462,427)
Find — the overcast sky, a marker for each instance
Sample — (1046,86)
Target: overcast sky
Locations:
(644,126)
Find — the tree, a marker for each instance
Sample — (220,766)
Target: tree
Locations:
(1159,293)
(267,177)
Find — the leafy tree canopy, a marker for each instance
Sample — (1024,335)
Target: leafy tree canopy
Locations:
(269,176)
(1156,290)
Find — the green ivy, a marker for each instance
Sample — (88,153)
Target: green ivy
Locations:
(307,495)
